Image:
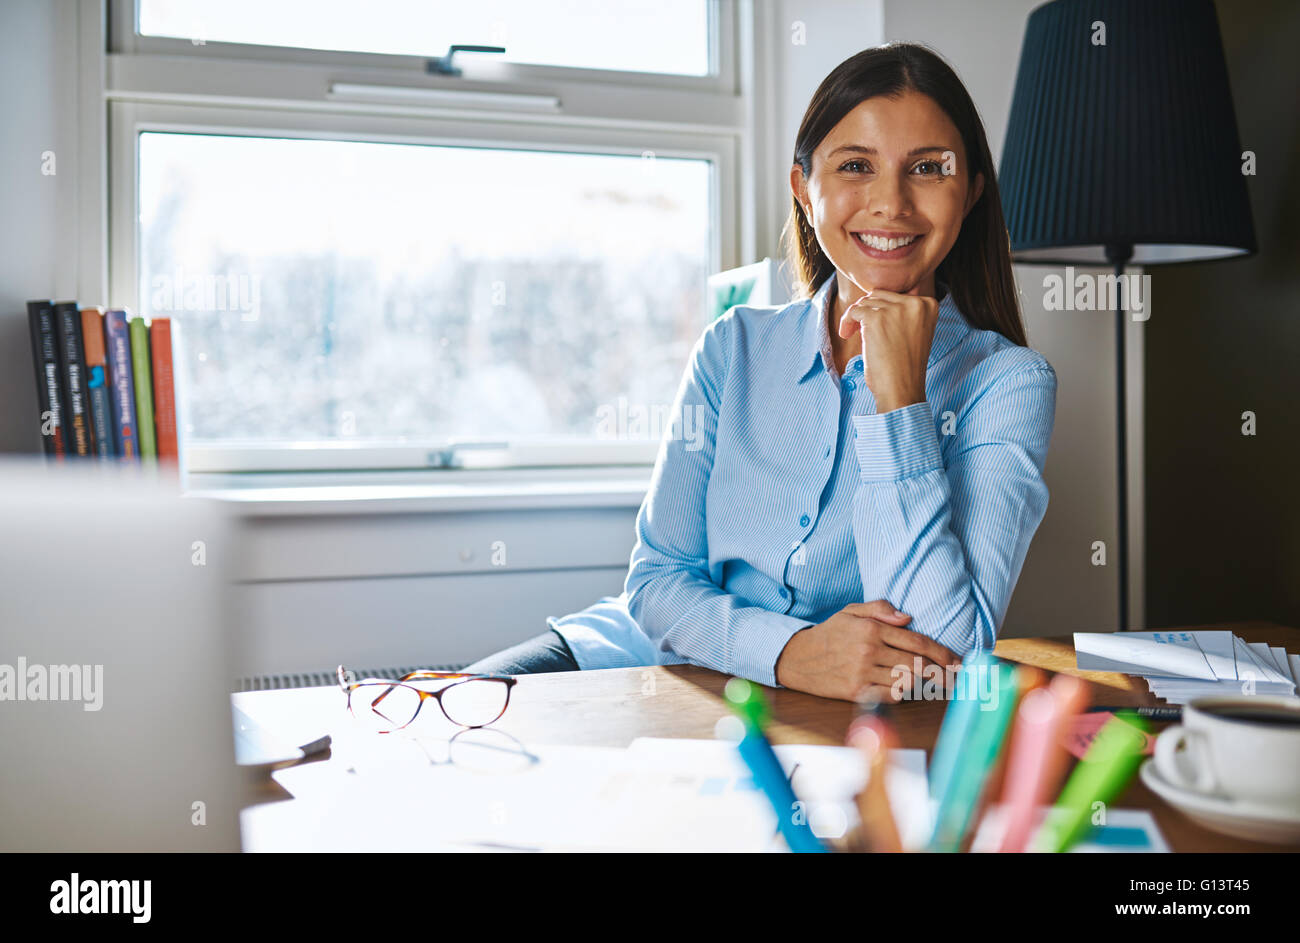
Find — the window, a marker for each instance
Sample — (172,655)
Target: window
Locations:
(339,289)
(667,36)
(376,268)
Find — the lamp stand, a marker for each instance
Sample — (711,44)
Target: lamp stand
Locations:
(1119,255)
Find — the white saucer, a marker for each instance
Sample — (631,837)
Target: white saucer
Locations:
(1227,816)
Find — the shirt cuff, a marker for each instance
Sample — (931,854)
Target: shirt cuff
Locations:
(898,444)
(759,643)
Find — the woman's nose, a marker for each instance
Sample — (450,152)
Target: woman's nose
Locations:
(887,197)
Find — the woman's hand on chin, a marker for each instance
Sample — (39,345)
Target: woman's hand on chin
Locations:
(897,331)
(862,647)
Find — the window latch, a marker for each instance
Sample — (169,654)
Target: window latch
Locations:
(444,66)
(451,455)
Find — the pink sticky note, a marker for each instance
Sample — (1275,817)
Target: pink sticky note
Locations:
(1084,727)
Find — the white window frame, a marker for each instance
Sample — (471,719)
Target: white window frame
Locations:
(722,78)
(157,84)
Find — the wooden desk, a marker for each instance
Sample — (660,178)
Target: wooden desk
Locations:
(615,706)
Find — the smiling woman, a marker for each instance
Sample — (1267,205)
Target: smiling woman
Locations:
(859,502)
(896,125)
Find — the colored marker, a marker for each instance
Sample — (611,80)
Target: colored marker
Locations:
(755,749)
(1100,776)
(871,733)
(958,721)
(992,711)
(1037,760)
(1147,713)
(1028,678)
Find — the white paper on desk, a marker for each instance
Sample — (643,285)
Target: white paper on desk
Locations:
(826,780)
(1274,681)
(1121,830)
(1294,661)
(296,717)
(336,809)
(1180,693)
(1249,666)
(336,823)
(1265,659)
(672,795)
(1230,659)
(1174,655)
(1176,693)
(392,792)
(1283,665)
(403,794)
(1218,646)
(1256,666)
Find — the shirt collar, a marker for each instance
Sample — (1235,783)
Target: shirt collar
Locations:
(814,344)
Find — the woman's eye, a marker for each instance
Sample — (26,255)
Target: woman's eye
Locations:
(855,166)
(929,168)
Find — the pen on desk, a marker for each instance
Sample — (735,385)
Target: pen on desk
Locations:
(871,733)
(1036,759)
(1147,713)
(993,709)
(746,700)
(1100,776)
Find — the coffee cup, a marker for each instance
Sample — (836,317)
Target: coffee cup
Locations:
(1241,748)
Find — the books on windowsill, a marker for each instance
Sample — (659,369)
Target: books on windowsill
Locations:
(105,384)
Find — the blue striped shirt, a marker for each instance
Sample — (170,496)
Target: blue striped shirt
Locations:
(779,496)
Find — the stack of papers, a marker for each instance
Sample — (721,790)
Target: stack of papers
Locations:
(1180,666)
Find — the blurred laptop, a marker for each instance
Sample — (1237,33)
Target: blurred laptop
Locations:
(115,657)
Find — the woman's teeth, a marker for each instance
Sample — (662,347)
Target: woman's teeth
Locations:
(884,245)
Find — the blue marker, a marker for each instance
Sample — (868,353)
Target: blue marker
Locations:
(755,749)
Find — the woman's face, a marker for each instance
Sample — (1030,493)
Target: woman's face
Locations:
(892,172)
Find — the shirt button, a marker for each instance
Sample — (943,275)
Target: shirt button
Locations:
(803,521)
(784,593)
(828,452)
(849,385)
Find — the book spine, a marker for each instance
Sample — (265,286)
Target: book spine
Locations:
(72,365)
(121,385)
(45,355)
(92,342)
(164,390)
(143,389)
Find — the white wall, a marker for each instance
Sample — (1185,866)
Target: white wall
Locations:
(797,43)
(388,590)
(38,242)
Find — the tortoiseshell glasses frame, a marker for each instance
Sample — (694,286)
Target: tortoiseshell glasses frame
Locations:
(374,692)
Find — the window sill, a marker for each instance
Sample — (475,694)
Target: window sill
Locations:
(422,492)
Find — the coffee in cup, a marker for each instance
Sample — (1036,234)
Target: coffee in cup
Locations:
(1241,748)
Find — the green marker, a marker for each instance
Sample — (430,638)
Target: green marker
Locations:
(748,702)
(1100,776)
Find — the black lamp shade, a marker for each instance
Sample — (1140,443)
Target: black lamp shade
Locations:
(1131,145)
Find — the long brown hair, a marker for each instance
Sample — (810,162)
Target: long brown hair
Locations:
(977,270)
